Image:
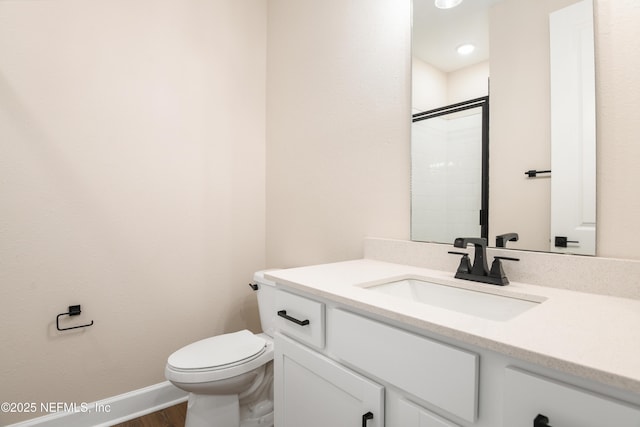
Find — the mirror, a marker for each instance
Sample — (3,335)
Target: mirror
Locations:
(534,61)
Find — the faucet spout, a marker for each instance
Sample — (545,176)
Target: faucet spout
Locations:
(480,266)
(502,239)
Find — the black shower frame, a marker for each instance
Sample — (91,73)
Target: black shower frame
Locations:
(482,102)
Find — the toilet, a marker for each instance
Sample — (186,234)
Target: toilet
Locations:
(229,377)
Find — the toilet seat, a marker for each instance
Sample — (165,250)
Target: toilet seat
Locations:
(219,357)
(218,352)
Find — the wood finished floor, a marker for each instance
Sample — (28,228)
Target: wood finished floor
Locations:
(172,416)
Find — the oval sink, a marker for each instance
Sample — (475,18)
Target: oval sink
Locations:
(476,303)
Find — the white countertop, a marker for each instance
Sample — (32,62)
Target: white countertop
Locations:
(591,336)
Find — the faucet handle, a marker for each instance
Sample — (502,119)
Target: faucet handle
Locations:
(465,262)
(507,258)
(498,272)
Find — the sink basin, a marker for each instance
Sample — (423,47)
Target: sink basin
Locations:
(487,305)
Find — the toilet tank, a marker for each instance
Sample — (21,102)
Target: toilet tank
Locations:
(266,302)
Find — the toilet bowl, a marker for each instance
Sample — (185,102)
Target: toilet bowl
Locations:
(229,377)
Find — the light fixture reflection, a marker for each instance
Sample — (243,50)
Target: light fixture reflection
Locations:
(447,4)
(465,49)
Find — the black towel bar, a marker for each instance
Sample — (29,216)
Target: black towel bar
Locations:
(533,173)
(74,310)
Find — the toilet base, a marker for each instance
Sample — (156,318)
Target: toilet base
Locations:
(264,421)
(253,407)
(209,411)
(220,411)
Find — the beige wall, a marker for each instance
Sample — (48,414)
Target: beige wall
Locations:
(132,167)
(338,119)
(428,87)
(618,128)
(432,88)
(468,83)
(132,177)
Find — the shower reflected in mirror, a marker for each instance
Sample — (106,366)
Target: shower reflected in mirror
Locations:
(449,179)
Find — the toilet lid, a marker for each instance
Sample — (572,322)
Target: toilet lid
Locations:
(218,351)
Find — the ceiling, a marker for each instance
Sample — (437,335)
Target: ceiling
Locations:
(437,33)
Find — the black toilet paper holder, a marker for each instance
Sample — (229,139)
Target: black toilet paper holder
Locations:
(74,310)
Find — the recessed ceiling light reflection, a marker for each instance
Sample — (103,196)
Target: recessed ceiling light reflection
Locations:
(465,49)
(447,4)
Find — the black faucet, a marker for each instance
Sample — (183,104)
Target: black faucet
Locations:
(480,267)
(479,271)
(502,239)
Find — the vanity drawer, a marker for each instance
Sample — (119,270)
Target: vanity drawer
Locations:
(527,396)
(442,375)
(300,318)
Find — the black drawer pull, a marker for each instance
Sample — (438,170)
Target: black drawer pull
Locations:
(283,313)
(541,421)
(365,418)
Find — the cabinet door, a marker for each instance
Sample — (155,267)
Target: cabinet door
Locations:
(528,397)
(412,415)
(314,391)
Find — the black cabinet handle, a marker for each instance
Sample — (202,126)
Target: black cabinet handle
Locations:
(541,421)
(283,313)
(366,417)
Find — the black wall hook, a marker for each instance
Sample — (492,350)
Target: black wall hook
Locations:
(74,310)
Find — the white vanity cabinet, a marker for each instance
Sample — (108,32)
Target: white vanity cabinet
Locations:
(310,389)
(530,399)
(339,366)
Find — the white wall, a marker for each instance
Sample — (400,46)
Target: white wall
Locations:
(132,176)
(338,119)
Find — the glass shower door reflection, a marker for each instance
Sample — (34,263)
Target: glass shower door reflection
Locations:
(448,174)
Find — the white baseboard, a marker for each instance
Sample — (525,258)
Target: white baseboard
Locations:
(113,410)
